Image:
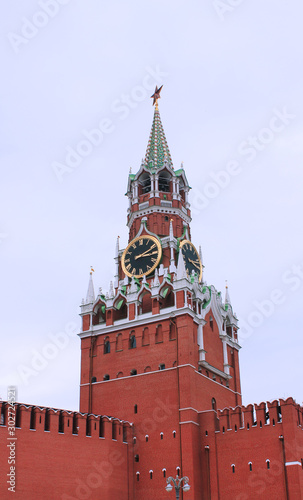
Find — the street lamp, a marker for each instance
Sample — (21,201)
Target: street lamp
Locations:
(177,484)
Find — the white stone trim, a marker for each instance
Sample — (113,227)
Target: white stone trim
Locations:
(139,321)
(189,422)
(293,463)
(189,408)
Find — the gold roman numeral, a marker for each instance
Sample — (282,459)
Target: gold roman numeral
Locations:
(141,242)
(128,267)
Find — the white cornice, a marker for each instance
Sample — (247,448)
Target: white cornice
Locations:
(139,321)
(158,209)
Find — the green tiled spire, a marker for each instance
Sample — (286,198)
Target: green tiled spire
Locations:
(157,149)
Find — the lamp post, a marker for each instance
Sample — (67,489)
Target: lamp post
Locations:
(177,484)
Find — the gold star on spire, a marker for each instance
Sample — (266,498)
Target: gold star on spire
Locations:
(156,95)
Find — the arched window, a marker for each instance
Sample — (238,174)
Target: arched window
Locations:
(99,314)
(213,404)
(178,471)
(146,303)
(120,311)
(145,336)
(250,466)
(106,346)
(159,334)
(119,342)
(151,474)
(144,183)
(136,458)
(268,464)
(146,438)
(164,182)
(233,468)
(106,377)
(94,379)
(167,297)
(174,434)
(138,476)
(132,340)
(119,374)
(133,372)
(147,369)
(136,409)
(164,472)
(172,331)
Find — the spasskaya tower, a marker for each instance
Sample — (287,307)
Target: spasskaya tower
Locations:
(160,348)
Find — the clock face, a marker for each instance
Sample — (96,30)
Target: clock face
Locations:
(191,258)
(141,256)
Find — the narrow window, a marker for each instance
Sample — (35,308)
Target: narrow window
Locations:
(136,409)
(206,433)
(133,372)
(247,426)
(207,373)
(94,379)
(223,430)
(68,423)
(214,404)
(106,377)
(211,323)
(161,435)
(273,422)
(162,366)
(136,458)
(46,421)
(233,469)
(250,466)
(150,474)
(268,464)
(106,347)
(40,419)
(134,439)
(164,472)
(132,342)
(260,424)
(138,476)
(178,471)
(174,434)
(146,438)
(236,428)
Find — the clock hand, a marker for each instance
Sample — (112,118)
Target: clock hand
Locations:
(145,254)
(195,263)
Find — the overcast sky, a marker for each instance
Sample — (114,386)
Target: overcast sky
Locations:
(231,107)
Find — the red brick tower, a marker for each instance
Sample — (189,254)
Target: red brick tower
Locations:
(160,349)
